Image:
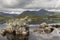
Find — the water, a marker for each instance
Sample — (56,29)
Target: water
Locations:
(37,36)
(53,36)
(2,26)
(47,21)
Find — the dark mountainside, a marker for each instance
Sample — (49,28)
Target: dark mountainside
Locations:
(36,16)
(39,13)
(7,14)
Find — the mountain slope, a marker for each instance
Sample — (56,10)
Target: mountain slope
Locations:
(7,14)
(39,13)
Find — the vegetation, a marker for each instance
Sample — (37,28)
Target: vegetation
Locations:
(33,17)
(4,18)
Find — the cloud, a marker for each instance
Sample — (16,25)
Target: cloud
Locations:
(43,4)
(18,6)
(34,4)
(14,3)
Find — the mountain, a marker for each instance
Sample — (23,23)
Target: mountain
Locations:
(39,13)
(7,14)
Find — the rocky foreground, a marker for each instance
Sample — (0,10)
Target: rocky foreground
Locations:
(37,36)
(41,32)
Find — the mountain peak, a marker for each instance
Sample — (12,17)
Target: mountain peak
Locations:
(39,13)
(43,10)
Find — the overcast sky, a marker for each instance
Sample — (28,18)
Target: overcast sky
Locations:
(22,5)
(34,4)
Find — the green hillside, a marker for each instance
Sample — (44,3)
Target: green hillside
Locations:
(34,18)
(4,18)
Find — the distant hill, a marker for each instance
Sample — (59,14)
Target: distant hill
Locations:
(41,16)
(36,16)
(39,13)
(7,14)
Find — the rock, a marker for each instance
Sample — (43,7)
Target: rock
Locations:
(16,28)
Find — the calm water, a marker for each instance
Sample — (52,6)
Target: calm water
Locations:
(47,21)
(36,36)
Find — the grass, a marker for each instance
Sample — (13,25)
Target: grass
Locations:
(33,17)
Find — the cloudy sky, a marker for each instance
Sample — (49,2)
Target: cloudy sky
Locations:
(33,4)
(21,5)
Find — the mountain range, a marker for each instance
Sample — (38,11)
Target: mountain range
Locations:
(39,13)
(34,15)
(7,14)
